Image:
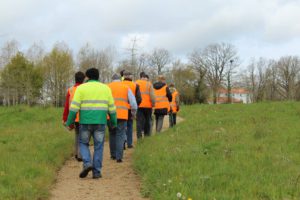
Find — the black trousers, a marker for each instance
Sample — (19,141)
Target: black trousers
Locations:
(143,122)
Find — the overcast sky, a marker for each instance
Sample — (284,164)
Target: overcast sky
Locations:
(268,28)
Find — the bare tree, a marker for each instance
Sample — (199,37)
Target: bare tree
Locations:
(288,69)
(102,60)
(159,58)
(9,50)
(199,68)
(216,60)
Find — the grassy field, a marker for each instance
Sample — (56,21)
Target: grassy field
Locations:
(225,152)
(33,145)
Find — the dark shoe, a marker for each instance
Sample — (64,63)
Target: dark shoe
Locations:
(96,176)
(124,147)
(85,172)
(119,160)
(78,159)
(113,157)
(130,146)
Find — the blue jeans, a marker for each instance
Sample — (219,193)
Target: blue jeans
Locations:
(97,131)
(117,138)
(129,132)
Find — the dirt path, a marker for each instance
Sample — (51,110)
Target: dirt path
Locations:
(119,181)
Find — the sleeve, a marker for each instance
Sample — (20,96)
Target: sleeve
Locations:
(132,101)
(112,109)
(152,96)
(66,108)
(74,107)
(138,95)
(169,94)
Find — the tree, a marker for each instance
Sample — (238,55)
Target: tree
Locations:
(288,68)
(185,81)
(159,58)
(58,72)
(102,60)
(215,58)
(21,81)
(197,64)
(9,50)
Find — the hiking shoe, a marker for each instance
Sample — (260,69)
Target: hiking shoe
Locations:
(113,157)
(85,171)
(96,176)
(130,146)
(119,160)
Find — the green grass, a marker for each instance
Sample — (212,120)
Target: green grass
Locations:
(225,152)
(33,145)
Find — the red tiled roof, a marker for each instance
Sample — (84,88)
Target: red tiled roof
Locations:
(225,100)
(234,91)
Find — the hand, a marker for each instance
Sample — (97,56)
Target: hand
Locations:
(63,122)
(177,108)
(71,127)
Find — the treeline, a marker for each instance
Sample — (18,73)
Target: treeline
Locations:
(37,76)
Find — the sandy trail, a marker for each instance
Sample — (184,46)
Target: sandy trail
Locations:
(119,181)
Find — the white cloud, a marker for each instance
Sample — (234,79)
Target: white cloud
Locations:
(177,25)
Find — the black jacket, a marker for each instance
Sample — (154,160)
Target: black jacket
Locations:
(157,86)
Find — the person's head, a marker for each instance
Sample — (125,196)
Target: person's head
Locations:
(127,75)
(116,77)
(161,78)
(172,85)
(79,77)
(92,74)
(142,75)
(122,72)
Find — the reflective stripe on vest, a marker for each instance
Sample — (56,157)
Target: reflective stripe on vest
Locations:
(120,94)
(145,93)
(72,92)
(173,103)
(161,99)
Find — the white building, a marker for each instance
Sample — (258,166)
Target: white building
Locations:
(238,95)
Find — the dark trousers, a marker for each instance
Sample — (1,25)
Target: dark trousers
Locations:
(143,122)
(117,138)
(159,122)
(76,143)
(172,119)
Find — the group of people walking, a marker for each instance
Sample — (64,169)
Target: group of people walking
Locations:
(91,105)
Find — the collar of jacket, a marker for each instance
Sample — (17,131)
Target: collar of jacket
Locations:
(92,81)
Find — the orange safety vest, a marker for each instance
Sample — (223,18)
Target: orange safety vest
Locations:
(161,99)
(120,94)
(173,103)
(71,91)
(145,93)
(132,86)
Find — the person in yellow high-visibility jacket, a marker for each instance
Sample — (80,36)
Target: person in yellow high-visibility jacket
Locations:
(94,101)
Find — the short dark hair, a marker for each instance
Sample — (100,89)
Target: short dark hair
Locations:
(92,74)
(122,72)
(79,77)
(142,75)
(146,76)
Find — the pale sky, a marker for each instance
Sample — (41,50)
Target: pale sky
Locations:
(267,28)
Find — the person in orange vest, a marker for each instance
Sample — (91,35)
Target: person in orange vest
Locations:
(79,78)
(122,95)
(163,97)
(144,113)
(136,92)
(174,105)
